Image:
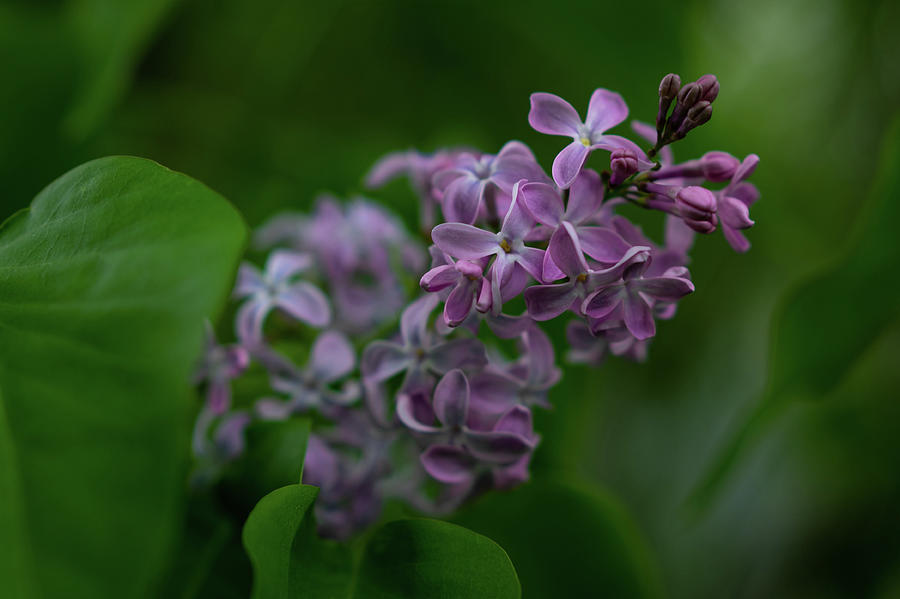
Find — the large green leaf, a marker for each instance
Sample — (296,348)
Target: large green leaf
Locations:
(826,323)
(565,540)
(405,558)
(106,282)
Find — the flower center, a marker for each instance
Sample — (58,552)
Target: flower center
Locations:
(504,243)
(581,278)
(586,141)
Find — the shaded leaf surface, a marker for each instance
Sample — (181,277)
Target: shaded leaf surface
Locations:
(105,282)
(404,558)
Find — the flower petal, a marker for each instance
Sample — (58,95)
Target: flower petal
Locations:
(601,303)
(249,281)
(606,110)
(545,302)
(283,264)
(746,168)
(734,213)
(459,303)
(617,142)
(497,447)
(543,202)
(304,301)
(602,244)
(565,248)
(448,464)
(667,289)
(550,271)
(465,241)
(532,260)
(585,197)
(458,353)
(414,320)
(249,321)
(517,421)
(382,360)
(568,163)
(411,410)
(515,149)
(332,357)
(552,115)
(451,399)
(389,167)
(518,221)
(439,278)
(736,239)
(639,316)
(462,199)
(679,236)
(541,366)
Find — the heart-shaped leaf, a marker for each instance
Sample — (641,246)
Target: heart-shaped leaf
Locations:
(405,558)
(104,286)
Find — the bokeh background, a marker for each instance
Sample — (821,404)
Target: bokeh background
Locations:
(757,452)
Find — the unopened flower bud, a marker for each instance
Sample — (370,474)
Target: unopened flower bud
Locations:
(687,97)
(718,166)
(697,207)
(623,163)
(668,90)
(709,87)
(699,114)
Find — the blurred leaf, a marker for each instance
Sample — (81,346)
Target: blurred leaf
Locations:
(273,459)
(106,281)
(404,558)
(110,35)
(827,322)
(564,540)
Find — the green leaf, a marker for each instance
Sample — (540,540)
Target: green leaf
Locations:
(404,558)
(273,459)
(826,323)
(106,282)
(564,540)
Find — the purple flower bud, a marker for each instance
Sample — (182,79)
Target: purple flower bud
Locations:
(697,206)
(709,87)
(718,166)
(687,97)
(698,114)
(623,164)
(668,89)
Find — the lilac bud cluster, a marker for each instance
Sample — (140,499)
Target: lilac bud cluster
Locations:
(435,411)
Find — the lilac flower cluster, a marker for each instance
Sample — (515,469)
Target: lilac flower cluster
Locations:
(436,412)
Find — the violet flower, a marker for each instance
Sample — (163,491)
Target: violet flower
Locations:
(466,242)
(277,287)
(549,301)
(733,204)
(585,197)
(457,448)
(552,115)
(465,277)
(418,355)
(310,388)
(634,296)
(219,365)
(466,185)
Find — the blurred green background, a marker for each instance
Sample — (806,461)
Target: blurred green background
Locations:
(754,460)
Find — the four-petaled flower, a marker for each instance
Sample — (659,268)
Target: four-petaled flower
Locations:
(466,185)
(512,258)
(458,448)
(277,287)
(733,204)
(552,115)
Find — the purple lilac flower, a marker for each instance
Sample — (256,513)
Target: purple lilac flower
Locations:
(734,203)
(585,197)
(277,287)
(219,365)
(455,448)
(466,279)
(632,299)
(417,354)
(473,179)
(552,115)
(512,258)
(549,301)
(310,388)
